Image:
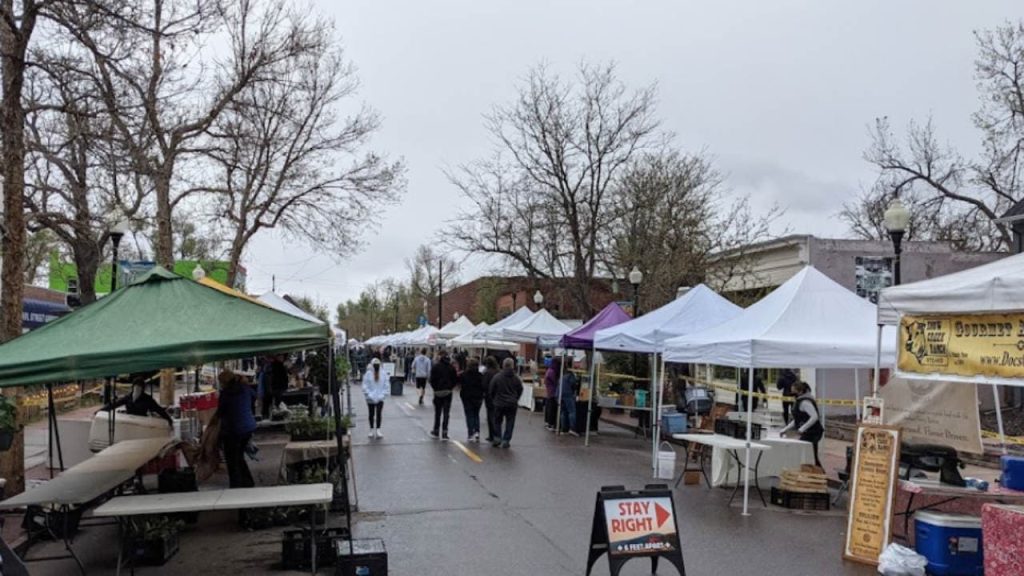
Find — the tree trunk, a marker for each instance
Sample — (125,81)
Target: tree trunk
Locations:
(12,123)
(235,256)
(87,261)
(164,233)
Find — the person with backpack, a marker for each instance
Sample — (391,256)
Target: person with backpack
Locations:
(442,380)
(490,371)
(506,389)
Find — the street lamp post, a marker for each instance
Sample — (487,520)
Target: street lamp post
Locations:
(117,232)
(635,278)
(896,219)
(538,299)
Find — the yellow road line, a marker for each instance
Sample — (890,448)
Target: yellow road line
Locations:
(411,407)
(469,453)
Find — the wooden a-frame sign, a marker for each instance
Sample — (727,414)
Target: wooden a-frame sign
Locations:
(635,524)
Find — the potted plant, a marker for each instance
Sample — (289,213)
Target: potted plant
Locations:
(307,428)
(8,421)
(155,539)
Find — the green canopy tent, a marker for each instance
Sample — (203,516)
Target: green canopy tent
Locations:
(160,321)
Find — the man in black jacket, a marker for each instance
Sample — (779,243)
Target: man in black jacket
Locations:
(490,371)
(442,381)
(506,389)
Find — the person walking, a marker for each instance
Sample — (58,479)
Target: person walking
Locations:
(375,389)
(741,396)
(421,366)
(506,389)
(806,418)
(237,423)
(568,402)
(442,381)
(490,371)
(471,392)
(551,394)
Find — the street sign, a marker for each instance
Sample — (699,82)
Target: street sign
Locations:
(635,523)
(422,320)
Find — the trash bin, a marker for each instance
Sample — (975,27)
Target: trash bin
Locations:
(397,385)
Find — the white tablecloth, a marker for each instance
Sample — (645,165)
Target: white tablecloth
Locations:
(785,453)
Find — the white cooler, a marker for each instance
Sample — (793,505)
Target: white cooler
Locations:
(126,427)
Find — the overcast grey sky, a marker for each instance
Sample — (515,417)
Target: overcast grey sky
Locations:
(778,92)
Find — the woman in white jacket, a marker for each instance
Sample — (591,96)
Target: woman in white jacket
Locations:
(375,389)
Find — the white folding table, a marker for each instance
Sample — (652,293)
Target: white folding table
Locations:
(87,482)
(785,454)
(212,500)
(731,446)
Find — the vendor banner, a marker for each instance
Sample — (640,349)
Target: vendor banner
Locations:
(934,412)
(963,345)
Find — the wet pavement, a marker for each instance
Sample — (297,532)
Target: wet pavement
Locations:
(464,508)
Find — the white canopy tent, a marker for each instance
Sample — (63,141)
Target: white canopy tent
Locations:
(809,321)
(472,339)
(418,337)
(283,305)
(699,309)
(990,288)
(496,331)
(455,328)
(541,327)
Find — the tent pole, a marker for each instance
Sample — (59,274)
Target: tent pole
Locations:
(657,379)
(49,425)
(822,397)
(878,363)
(856,393)
(750,418)
(558,401)
(590,395)
(999,417)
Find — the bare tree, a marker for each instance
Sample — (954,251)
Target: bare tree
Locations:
(429,270)
(283,158)
(567,143)
(955,198)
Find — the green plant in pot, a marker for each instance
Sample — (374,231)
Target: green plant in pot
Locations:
(8,421)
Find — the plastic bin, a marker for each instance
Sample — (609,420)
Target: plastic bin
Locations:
(397,385)
(951,543)
(673,423)
(367,557)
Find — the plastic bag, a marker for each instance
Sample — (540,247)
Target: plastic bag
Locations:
(898,560)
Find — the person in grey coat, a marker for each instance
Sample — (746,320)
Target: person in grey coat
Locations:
(506,389)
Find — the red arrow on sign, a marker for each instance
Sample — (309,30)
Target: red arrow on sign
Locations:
(661,514)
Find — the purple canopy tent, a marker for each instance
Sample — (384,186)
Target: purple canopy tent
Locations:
(582,338)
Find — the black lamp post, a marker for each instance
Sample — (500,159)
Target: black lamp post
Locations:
(635,278)
(896,219)
(117,232)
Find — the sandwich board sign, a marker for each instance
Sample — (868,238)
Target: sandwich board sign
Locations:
(635,524)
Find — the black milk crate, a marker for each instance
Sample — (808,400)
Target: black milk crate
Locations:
(800,500)
(176,481)
(154,552)
(295,547)
(367,557)
(735,429)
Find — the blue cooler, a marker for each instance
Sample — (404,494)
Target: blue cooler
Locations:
(673,423)
(1013,472)
(950,542)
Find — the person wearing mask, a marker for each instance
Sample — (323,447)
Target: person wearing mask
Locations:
(758,389)
(421,366)
(237,423)
(442,380)
(787,378)
(551,394)
(139,403)
(490,370)
(506,389)
(567,394)
(806,418)
(278,385)
(471,385)
(375,389)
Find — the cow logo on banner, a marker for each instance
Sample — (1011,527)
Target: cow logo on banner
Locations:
(631,524)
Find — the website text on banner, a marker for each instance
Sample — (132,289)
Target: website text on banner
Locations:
(963,345)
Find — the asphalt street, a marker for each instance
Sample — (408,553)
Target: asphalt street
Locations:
(459,507)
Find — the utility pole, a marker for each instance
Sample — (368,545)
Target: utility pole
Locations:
(440,285)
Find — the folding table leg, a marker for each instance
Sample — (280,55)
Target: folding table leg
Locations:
(686,463)
(757,464)
(739,475)
(312,538)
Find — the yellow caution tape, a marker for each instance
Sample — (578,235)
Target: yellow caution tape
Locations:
(613,375)
(1016,440)
(777,397)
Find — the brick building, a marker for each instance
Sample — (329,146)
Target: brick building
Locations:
(490,298)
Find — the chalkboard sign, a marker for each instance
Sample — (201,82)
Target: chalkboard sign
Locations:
(635,524)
